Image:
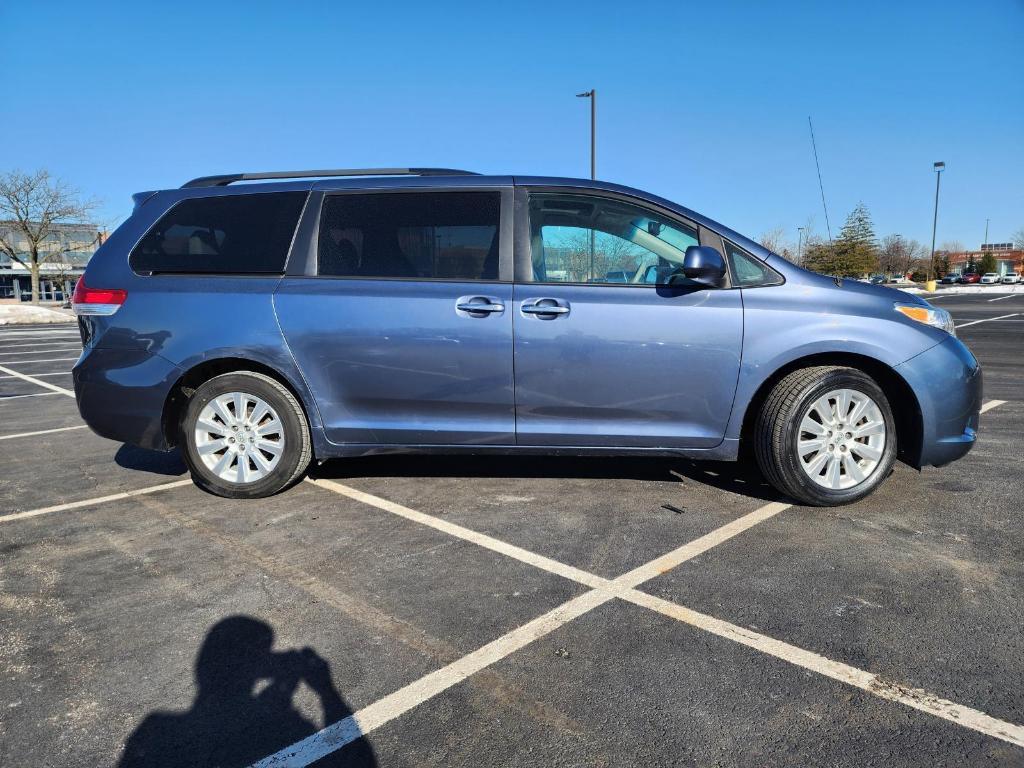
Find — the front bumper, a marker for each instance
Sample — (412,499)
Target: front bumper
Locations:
(121,394)
(947,381)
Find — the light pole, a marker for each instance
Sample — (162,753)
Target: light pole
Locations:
(939,167)
(592,95)
(985,241)
(799,246)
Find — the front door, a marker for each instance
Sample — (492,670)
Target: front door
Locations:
(608,354)
(404,332)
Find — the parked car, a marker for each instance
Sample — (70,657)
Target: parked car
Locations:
(990,278)
(970,277)
(950,279)
(257,326)
(1010,278)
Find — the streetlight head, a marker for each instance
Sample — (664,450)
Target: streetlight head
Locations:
(584,95)
(939,166)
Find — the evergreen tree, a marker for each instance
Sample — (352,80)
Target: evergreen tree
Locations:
(854,252)
(987,263)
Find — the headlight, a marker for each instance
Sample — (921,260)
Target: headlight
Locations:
(928,315)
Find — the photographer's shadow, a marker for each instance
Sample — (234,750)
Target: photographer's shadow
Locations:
(243,709)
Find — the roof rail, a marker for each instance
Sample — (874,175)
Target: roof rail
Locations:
(227,178)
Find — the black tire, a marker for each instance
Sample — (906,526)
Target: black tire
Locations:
(298,449)
(777,431)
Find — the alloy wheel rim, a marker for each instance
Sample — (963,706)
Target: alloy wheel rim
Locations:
(841,439)
(239,437)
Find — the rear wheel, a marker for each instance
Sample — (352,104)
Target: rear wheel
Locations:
(244,435)
(826,436)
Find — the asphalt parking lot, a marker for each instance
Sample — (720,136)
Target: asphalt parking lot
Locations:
(443,611)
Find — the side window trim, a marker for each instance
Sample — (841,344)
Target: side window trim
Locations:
(303,255)
(306,248)
(711,238)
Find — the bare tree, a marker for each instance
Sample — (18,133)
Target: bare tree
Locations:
(1018,239)
(32,205)
(898,256)
(774,240)
(795,250)
(60,276)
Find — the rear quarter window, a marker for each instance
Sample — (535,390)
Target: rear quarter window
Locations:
(229,234)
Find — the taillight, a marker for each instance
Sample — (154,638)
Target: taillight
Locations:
(97,301)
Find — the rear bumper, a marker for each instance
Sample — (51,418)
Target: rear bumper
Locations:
(947,380)
(121,394)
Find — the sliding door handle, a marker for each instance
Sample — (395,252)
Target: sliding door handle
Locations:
(479,306)
(540,309)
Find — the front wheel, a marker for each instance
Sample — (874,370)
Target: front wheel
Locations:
(826,436)
(244,436)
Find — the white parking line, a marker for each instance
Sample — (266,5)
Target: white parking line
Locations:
(49,351)
(30,341)
(56,373)
(92,502)
(34,380)
(992,404)
(42,431)
(696,547)
(6,398)
(63,341)
(369,718)
(836,670)
(466,534)
(337,735)
(1007,296)
(987,320)
(48,360)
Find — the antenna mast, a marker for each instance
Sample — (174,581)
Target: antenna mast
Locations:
(821,186)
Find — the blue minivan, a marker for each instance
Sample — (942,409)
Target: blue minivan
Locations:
(256,321)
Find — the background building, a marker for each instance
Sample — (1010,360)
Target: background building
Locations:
(70,245)
(1008,259)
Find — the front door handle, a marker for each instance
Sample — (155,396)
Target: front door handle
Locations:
(479,306)
(536,309)
(550,308)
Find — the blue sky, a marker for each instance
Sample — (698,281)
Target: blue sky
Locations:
(704,103)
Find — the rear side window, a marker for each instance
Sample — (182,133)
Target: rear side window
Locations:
(232,234)
(425,235)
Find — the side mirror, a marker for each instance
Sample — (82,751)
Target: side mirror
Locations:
(705,265)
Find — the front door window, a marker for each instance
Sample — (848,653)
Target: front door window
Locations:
(580,239)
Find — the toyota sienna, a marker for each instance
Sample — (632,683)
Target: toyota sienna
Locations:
(257,321)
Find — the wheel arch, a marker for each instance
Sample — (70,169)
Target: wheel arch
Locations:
(904,403)
(188,382)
